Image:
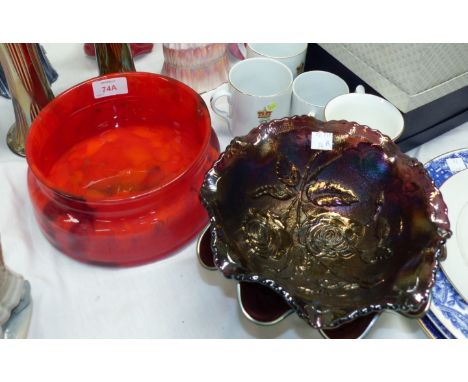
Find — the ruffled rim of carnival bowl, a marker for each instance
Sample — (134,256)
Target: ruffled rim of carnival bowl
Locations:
(221,250)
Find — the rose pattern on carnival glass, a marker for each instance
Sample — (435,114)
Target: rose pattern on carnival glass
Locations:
(323,237)
(330,236)
(338,233)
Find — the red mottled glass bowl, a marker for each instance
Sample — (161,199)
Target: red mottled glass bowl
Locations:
(129,228)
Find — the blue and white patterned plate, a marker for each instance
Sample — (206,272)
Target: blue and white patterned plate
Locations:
(449,311)
(431,329)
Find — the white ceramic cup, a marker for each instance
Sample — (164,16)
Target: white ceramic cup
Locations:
(313,90)
(259,91)
(292,55)
(367,109)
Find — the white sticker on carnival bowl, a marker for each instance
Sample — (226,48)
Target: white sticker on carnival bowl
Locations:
(321,140)
(112,86)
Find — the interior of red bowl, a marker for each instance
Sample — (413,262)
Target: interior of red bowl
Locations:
(152,101)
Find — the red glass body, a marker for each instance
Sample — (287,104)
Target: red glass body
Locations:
(126,230)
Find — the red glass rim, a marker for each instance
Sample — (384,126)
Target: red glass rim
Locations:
(137,196)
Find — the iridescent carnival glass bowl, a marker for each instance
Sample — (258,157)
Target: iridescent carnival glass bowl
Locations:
(338,233)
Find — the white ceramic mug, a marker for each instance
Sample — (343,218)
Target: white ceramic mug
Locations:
(313,90)
(293,55)
(367,109)
(259,91)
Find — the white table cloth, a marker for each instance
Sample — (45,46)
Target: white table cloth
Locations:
(171,298)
